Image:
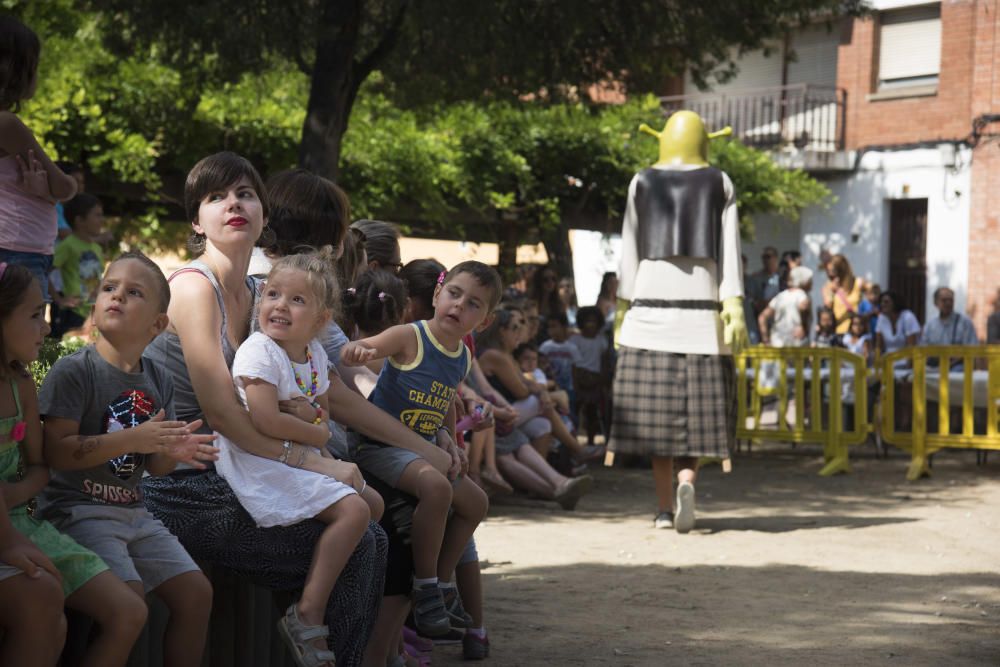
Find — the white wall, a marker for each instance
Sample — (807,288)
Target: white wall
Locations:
(857,224)
(593,254)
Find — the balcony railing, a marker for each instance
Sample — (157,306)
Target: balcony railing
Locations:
(803,116)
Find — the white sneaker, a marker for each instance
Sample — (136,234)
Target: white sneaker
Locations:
(684,510)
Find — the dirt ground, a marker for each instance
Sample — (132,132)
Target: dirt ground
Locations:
(783,568)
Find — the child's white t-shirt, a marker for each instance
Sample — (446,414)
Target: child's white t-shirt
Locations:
(273,493)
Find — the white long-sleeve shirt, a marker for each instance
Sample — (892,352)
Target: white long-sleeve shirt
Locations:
(679,330)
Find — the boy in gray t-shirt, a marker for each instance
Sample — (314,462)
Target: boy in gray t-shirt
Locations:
(108,419)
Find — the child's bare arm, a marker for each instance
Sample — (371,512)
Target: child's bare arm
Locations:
(16,139)
(262,402)
(36,472)
(67,449)
(398,342)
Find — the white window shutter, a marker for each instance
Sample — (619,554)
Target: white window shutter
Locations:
(910,44)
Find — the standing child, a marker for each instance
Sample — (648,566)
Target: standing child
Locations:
(563,355)
(590,377)
(109,419)
(425,362)
(858,340)
(87,584)
(79,259)
(285,361)
(30,183)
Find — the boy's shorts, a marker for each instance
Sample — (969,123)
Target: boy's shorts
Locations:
(469,554)
(135,544)
(383,461)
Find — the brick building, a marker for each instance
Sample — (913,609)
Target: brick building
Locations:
(899,114)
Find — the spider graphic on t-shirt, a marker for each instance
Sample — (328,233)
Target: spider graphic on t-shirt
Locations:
(131,408)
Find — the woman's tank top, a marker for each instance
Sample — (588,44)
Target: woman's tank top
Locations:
(166,350)
(27,223)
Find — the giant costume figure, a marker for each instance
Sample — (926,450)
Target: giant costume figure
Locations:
(680,316)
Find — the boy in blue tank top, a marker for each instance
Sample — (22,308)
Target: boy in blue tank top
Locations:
(424,362)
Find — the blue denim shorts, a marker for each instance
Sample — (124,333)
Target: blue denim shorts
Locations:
(40,265)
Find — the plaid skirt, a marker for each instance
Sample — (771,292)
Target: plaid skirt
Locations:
(669,404)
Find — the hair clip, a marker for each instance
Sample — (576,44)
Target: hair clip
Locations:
(3,269)
(441,278)
(381,296)
(351,291)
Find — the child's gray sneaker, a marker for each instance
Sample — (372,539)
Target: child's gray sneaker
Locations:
(429,613)
(684,516)
(456,612)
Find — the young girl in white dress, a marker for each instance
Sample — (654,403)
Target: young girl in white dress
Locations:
(283,361)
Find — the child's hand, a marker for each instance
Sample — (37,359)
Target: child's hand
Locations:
(344,472)
(452,464)
(486,421)
(32,177)
(20,552)
(300,407)
(356,354)
(194,449)
(155,434)
(504,414)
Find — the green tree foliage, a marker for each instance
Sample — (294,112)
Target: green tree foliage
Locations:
(139,121)
(453,50)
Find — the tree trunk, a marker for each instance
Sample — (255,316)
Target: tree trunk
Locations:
(333,87)
(558,249)
(508,239)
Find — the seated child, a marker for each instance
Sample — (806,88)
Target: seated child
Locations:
(590,375)
(425,361)
(32,625)
(527,358)
(79,259)
(87,584)
(283,361)
(376,302)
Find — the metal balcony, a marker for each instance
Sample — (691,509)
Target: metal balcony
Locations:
(804,116)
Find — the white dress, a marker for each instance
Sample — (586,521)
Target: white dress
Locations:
(273,493)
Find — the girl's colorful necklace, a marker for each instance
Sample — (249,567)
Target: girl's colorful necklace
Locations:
(313,376)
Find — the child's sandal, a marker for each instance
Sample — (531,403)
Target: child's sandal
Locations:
(299,637)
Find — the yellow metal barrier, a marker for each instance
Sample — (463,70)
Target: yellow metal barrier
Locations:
(798,366)
(978,389)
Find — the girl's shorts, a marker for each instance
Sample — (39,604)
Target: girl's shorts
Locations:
(76,564)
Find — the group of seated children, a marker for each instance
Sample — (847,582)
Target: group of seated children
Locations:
(109,420)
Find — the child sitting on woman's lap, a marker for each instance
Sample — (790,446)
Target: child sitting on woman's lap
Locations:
(284,361)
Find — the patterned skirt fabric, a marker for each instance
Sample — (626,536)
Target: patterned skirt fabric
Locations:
(202,511)
(669,404)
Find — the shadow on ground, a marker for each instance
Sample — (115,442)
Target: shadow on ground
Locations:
(770,615)
(780,478)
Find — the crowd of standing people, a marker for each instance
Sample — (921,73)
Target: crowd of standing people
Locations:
(855,314)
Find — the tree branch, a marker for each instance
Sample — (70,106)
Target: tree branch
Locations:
(370,62)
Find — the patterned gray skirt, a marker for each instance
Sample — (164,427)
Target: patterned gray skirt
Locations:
(669,404)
